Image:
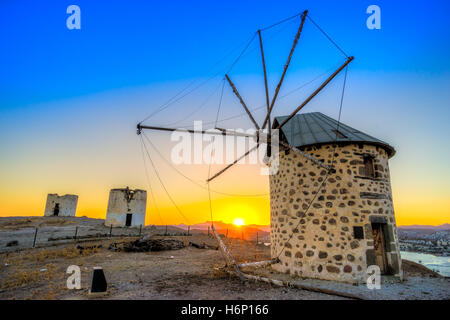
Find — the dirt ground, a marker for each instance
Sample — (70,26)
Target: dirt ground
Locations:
(188,273)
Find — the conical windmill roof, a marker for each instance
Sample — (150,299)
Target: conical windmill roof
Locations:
(315,128)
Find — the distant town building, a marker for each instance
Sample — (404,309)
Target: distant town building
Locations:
(332,226)
(442,243)
(126,208)
(62,206)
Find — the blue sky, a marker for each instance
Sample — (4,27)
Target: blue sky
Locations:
(131,43)
(70,99)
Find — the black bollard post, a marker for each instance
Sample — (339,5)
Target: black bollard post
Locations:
(98,282)
(35,235)
(76,233)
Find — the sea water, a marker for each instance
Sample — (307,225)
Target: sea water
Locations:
(438,264)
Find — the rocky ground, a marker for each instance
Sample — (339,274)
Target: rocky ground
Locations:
(187,273)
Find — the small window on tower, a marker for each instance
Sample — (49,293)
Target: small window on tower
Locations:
(368,166)
(358,232)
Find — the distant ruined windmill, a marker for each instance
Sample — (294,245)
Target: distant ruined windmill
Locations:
(332,213)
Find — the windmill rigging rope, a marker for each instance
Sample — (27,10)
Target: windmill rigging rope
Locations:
(181,97)
(267,39)
(171,101)
(220,103)
(210,158)
(282,21)
(162,183)
(327,36)
(328,173)
(242,53)
(265,106)
(196,182)
(149,184)
(195,110)
(174,98)
(177,97)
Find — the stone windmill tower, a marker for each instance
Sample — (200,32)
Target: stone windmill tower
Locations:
(332,226)
(331,205)
(126,208)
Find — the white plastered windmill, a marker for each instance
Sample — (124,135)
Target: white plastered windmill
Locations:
(264,131)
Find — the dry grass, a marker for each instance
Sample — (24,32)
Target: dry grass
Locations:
(23,277)
(32,222)
(219,272)
(53,221)
(50,293)
(25,267)
(41,255)
(15,224)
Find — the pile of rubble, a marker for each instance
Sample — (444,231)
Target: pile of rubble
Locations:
(145,245)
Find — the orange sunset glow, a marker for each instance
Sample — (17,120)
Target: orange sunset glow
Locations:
(414,203)
(239,222)
(84,142)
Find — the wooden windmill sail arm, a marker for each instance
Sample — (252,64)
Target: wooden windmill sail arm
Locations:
(222,132)
(237,133)
(233,163)
(258,264)
(265,76)
(242,101)
(307,156)
(228,257)
(277,90)
(349,59)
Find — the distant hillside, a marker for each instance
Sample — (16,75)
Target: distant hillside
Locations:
(424,232)
(442,227)
(248,232)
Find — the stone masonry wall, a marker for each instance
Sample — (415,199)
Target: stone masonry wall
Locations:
(323,243)
(67,205)
(121,202)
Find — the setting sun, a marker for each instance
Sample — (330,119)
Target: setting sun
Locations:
(239,222)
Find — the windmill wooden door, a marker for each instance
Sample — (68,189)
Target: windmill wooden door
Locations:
(379,244)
